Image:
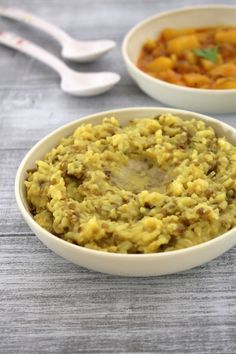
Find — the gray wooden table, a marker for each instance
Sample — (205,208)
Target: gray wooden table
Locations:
(48,305)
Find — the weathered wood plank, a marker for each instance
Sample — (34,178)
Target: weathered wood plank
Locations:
(50,305)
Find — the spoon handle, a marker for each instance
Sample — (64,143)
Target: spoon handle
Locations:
(34,21)
(11,40)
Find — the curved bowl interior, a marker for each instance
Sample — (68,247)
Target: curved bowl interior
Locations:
(122,264)
(201,100)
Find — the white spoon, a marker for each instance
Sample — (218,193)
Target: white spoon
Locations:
(72,82)
(72,49)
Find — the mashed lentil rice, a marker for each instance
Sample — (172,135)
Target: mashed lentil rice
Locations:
(156,184)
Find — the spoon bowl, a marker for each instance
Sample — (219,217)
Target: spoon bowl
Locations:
(85,51)
(80,84)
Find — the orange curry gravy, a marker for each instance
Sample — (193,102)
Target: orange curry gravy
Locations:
(199,58)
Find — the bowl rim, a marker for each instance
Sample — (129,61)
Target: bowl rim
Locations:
(125,43)
(131,256)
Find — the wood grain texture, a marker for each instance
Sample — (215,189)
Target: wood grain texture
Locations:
(48,305)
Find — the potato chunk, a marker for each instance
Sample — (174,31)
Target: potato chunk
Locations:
(180,44)
(228,36)
(197,80)
(150,44)
(207,64)
(170,33)
(160,64)
(224,70)
(225,84)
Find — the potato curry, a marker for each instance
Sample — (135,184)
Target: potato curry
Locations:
(198,58)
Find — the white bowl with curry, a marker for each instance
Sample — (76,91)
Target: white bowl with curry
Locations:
(186,58)
(133,192)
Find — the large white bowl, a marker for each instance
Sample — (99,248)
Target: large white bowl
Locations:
(201,100)
(122,264)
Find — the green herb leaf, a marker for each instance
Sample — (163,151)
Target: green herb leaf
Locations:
(208,53)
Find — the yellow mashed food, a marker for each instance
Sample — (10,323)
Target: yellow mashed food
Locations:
(156,184)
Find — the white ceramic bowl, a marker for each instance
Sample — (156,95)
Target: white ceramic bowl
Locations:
(122,264)
(201,100)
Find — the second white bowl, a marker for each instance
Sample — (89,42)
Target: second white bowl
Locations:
(201,100)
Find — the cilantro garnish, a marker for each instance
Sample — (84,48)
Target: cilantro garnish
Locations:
(208,53)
